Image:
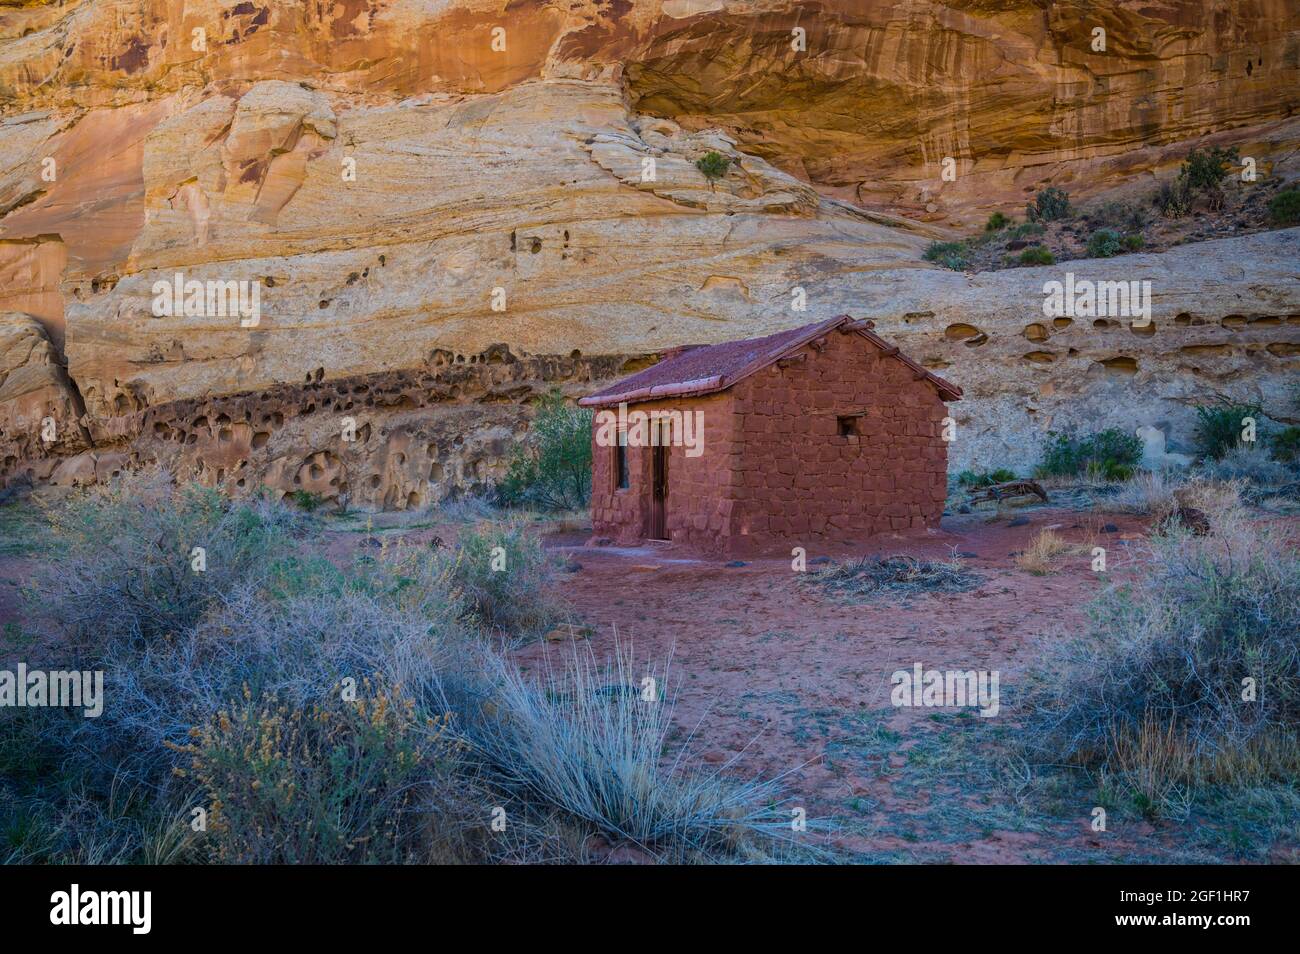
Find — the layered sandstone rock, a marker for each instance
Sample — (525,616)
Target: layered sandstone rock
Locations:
(40,412)
(438,229)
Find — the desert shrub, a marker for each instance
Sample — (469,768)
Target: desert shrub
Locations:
(505,576)
(293,635)
(123,563)
(974,479)
(953,255)
(1037,255)
(293,632)
(589,738)
(1219,427)
(712,165)
(330,782)
(552,469)
(466,508)
(1106,243)
(1026,229)
(1284,208)
(1103,244)
(1147,494)
(1049,205)
(1203,171)
(996,223)
(1153,694)
(1286,443)
(1111,454)
(1247,462)
(307,500)
(1120,216)
(1173,199)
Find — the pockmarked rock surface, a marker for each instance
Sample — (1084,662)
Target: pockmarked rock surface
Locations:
(406,219)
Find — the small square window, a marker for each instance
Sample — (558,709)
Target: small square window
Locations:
(848,426)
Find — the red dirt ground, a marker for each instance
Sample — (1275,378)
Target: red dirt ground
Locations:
(773,674)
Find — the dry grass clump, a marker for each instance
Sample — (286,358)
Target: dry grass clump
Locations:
(1038,556)
(587,738)
(1189,674)
(1244,473)
(1185,501)
(1221,498)
(1151,764)
(898,576)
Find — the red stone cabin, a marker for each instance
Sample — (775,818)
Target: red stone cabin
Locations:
(824,432)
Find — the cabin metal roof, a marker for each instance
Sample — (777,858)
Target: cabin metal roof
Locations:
(696,370)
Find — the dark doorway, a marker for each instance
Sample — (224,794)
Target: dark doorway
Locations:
(659,484)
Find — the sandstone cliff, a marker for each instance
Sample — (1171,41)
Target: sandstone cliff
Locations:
(447,207)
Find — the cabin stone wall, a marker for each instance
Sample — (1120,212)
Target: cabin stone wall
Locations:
(700,501)
(797,478)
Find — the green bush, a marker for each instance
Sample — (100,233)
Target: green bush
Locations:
(1284,208)
(307,500)
(996,223)
(1103,244)
(551,470)
(1203,171)
(1049,205)
(1219,426)
(1106,243)
(1037,255)
(1286,444)
(953,255)
(1111,454)
(712,165)
(975,479)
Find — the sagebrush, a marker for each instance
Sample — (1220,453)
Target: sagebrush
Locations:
(1198,652)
